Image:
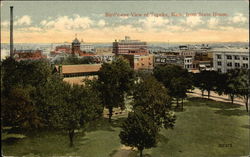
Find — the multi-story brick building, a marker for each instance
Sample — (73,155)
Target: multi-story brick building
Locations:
(226,59)
(140,62)
(129,46)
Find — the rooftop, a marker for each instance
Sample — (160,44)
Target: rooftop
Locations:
(76,41)
(79,68)
(232,50)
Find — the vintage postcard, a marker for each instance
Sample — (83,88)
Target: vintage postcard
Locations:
(125,78)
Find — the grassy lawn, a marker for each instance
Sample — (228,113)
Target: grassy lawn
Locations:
(204,129)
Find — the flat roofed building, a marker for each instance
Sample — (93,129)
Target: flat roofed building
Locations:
(75,74)
(78,70)
(225,59)
(129,46)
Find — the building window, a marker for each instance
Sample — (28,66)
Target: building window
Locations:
(219,63)
(219,70)
(237,65)
(229,64)
(245,65)
(245,58)
(163,60)
(229,57)
(237,57)
(218,56)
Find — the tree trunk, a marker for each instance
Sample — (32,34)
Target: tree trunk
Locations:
(71,137)
(140,150)
(247,103)
(202,93)
(182,104)
(208,94)
(232,98)
(177,102)
(110,113)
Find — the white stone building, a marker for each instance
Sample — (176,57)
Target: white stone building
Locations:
(225,59)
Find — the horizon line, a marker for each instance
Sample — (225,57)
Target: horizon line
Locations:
(143,41)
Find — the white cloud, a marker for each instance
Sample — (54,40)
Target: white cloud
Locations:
(24,20)
(212,22)
(101,23)
(43,22)
(238,18)
(66,23)
(193,21)
(151,22)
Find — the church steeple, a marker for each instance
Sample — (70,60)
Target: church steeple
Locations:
(76,46)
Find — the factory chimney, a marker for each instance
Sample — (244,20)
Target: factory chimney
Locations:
(11,31)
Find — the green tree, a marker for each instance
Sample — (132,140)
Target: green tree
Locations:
(176,79)
(19,110)
(69,107)
(20,83)
(139,131)
(232,83)
(153,98)
(206,80)
(24,73)
(179,89)
(244,91)
(114,81)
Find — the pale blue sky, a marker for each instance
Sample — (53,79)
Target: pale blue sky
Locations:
(87,18)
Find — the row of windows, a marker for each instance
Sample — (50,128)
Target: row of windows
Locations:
(237,65)
(142,64)
(229,64)
(231,57)
(219,70)
(80,74)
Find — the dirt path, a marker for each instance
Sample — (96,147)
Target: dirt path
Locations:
(215,96)
(124,152)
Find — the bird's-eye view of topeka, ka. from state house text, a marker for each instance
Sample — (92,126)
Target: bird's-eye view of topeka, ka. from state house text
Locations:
(125,78)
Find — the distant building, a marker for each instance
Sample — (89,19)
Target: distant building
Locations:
(105,58)
(28,55)
(89,48)
(75,49)
(225,59)
(183,47)
(203,59)
(187,55)
(103,50)
(61,49)
(140,62)
(129,46)
(168,59)
(188,62)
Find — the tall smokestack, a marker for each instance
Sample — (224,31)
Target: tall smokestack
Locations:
(11,31)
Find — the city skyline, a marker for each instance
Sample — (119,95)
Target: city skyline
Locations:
(105,21)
